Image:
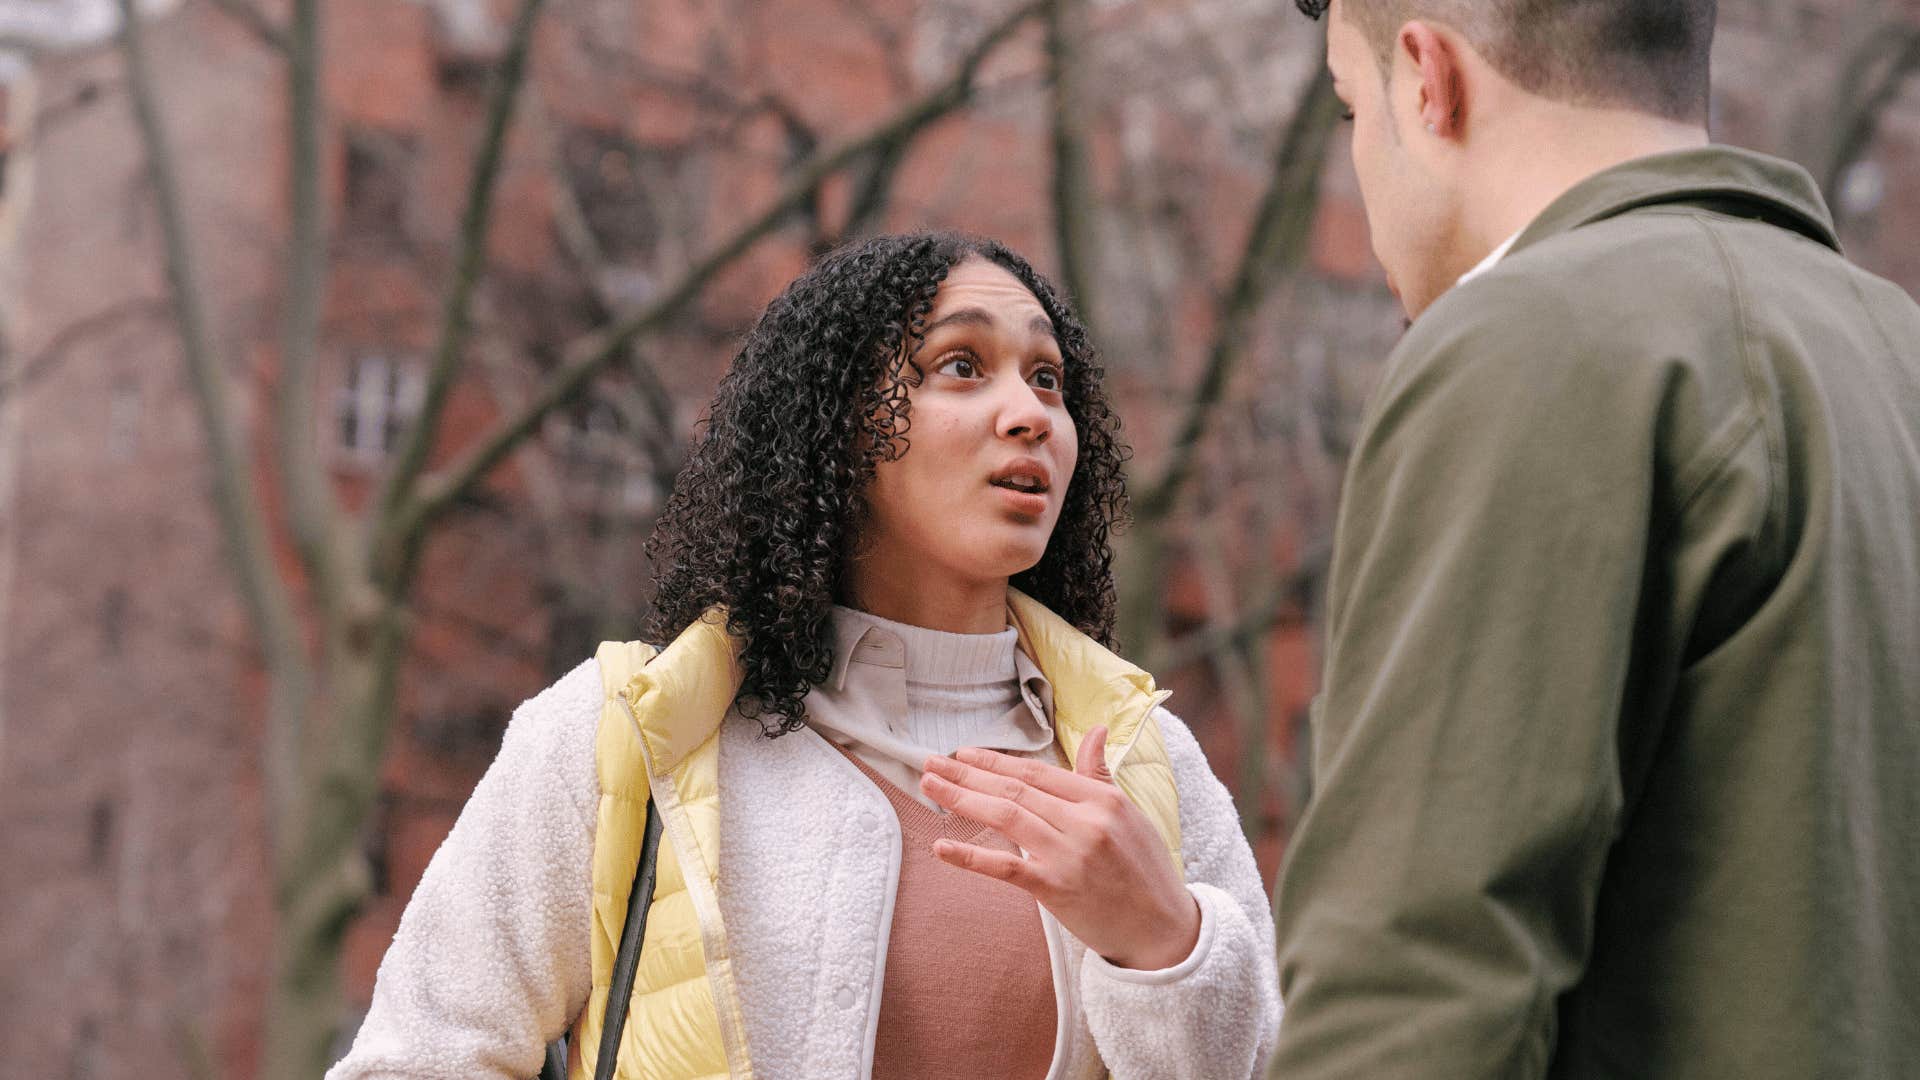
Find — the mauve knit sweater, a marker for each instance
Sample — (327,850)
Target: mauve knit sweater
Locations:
(968,982)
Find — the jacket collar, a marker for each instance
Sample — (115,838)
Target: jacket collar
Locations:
(679,699)
(1091,685)
(1731,180)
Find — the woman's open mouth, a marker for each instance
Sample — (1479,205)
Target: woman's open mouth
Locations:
(1028,484)
(1024,484)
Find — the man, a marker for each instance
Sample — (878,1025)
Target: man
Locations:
(1618,762)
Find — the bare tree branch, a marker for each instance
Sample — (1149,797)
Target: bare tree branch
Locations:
(592,353)
(108,319)
(1275,244)
(893,49)
(264,595)
(1871,74)
(1221,71)
(874,192)
(1241,669)
(312,510)
(1279,603)
(652,414)
(256,22)
(456,317)
(1075,210)
(544,486)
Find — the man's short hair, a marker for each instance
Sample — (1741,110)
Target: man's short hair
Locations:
(1648,55)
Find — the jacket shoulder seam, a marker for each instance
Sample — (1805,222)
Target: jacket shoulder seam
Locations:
(1756,397)
(1720,452)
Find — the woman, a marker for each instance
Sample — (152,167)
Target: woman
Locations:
(879,744)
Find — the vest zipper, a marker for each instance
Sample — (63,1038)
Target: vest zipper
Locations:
(726,1005)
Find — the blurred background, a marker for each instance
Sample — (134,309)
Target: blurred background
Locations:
(348,351)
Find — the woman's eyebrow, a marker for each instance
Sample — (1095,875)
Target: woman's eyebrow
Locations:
(967,316)
(973,316)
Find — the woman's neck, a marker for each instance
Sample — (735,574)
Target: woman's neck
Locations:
(919,595)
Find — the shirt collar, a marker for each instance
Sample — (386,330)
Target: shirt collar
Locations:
(855,638)
(1492,258)
(1034,687)
(864,640)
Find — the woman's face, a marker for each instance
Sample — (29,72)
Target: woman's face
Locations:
(990,445)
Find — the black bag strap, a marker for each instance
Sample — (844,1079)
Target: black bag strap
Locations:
(632,933)
(625,962)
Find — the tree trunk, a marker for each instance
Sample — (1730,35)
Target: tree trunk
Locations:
(321,880)
(1276,243)
(303,1009)
(1141,618)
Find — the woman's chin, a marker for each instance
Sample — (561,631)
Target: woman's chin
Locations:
(1011,557)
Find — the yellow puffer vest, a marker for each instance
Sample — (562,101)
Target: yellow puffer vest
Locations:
(658,730)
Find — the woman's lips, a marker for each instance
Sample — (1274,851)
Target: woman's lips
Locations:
(1029,503)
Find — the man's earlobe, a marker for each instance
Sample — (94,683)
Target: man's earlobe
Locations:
(1438,70)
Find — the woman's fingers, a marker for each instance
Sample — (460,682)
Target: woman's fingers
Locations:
(1052,779)
(1092,857)
(1007,816)
(1003,865)
(1051,808)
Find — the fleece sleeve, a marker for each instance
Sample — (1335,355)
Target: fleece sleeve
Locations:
(491,959)
(1214,1015)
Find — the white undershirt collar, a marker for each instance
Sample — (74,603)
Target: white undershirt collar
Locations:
(1493,257)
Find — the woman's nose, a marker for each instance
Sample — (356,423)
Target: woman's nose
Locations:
(1024,416)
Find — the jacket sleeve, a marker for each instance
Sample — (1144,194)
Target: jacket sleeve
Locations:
(491,958)
(1213,1015)
(1439,894)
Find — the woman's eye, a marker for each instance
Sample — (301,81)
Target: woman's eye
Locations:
(961,367)
(1048,378)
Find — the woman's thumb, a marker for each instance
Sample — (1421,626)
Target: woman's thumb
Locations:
(1093,755)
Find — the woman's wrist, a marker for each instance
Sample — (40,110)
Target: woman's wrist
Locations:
(1172,948)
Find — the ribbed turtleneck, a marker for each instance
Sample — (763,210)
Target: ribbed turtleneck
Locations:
(899,693)
(958,685)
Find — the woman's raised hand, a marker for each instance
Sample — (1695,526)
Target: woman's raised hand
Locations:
(1093,859)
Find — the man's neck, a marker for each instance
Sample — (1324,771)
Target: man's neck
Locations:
(1546,153)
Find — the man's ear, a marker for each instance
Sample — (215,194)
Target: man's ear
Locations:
(1441,106)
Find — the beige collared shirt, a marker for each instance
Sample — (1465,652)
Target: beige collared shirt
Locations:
(897,694)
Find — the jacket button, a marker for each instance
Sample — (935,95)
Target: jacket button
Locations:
(869,820)
(843,998)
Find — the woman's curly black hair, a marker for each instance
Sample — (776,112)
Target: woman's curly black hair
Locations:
(766,512)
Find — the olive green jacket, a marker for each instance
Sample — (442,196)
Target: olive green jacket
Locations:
(1617,766)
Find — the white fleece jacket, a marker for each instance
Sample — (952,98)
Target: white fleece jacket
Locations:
(490,962)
